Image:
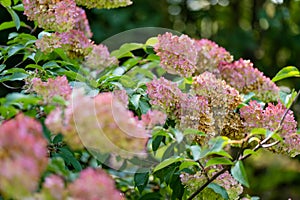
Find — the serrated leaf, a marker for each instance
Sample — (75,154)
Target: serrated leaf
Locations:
(219,190)
(238,172)
(218,161)
(286,72)
(166,163)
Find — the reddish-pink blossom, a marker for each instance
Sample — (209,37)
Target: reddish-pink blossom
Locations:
(99,58)
(103,3)
(245,78)
(53,87)
(210,55)
(178,55)
(257,117)
(53,188)
(23,157)
(94,184)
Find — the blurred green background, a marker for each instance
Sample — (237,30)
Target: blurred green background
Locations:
(265,31)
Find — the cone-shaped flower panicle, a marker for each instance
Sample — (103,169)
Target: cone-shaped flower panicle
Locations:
(23,156)
(210,55)
(94,184)
(53,188)
(178,54)
(99,58)
(221,97)
(165,95)
(102,123)
(257,117)
(53,87)
(245,78)
(82,23)
(104,3)
(73,42)
(53,15)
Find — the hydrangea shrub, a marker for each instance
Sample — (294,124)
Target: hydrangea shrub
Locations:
(173,118)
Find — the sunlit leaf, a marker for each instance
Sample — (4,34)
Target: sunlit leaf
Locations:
(166,163)
(286,72)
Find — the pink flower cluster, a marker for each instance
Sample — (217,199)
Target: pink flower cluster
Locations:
(216,91)
(102,123)
(178,54)
(104,3)
(257,117)
(99,58)
(60,16)
(245,78)
(73,42)
(93,184)
(188,111)
(210,55)
(152,118)
(186,57)
(23,156)
(53,87)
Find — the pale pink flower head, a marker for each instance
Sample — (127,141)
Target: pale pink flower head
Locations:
(82,23)
(99,58)
(73,42)
(152,118)
(165,95)
(245,78)
(210,55)
(103,3)
(23,156)
(53,15)
(94,184)
(53,188)
(178,54)
(221,97)
(53,87)
(269,118)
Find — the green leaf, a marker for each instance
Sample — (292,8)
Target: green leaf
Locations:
(141,180)
(127,81)
(187,164)
(151,196)
(69,158)
(219,190)
(189,131)
(259,131)
(248,152)
(34,66)
(18,7)
(218,161)
(286,72)
(166,163)
(156,142)
(125,50)
(238,172)
(196,152)
(2,67)
(178,134)
(15,17)
(5,3)
(152,41)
